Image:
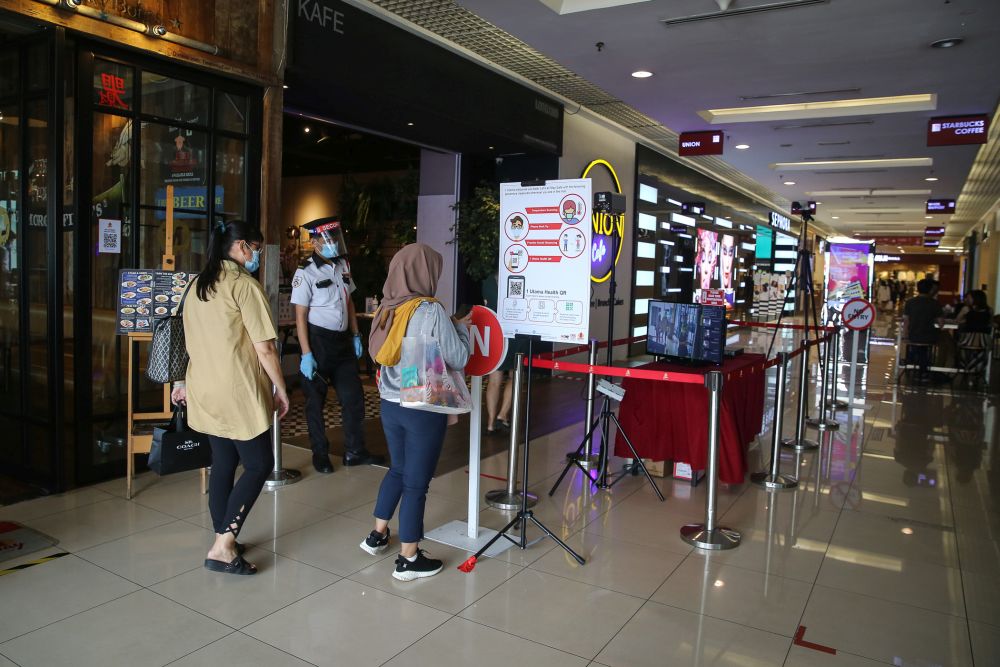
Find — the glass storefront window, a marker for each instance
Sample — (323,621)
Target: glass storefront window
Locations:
(114,85)
(38,66)
(171,98)
(178,157)
(230,165)
(231,112)
(37,255)
(9,74)
(10,283)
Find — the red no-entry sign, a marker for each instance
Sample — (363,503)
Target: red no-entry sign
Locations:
(489,347)
(858,314)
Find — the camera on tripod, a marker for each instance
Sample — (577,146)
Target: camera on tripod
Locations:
(611,203)
(807,212)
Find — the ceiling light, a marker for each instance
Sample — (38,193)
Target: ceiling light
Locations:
(741,147)
(928,217)
(789,182)
(641,74)
(719,583)
(285,86)
(873,192)
(836,217)
(306,129)
(931,178)
(409,124)
(947,42)
(832,109)
(838,165)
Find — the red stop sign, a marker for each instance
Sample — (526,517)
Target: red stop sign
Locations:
(489,347)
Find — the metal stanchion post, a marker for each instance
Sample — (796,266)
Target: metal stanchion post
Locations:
(800,442)
(707,535)
(835,403)
(279,476)
(509,498)
(587,458)
(820,421)
(773,480)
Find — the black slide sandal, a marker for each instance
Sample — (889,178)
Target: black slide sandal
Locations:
(237,566)
(240,549)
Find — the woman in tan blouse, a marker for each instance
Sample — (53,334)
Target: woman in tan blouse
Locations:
(233,382)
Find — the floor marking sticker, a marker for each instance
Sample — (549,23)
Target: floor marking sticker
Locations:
(32,563)
(798,641)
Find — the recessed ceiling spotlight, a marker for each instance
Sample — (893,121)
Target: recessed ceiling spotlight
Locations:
(409,125)
(931,178)
(836,217)
(641,74)
(789,182)
(947,42)
(306,129)
(285,86)
(928,217)
(742,147)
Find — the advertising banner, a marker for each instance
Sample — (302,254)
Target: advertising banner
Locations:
(847,272)
(544,271)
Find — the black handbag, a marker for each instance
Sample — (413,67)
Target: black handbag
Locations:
(177,448)
(168,356)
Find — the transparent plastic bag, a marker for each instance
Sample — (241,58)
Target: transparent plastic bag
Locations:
(426,382)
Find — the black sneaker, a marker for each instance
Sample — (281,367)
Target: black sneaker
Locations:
(420,567)
(376,542)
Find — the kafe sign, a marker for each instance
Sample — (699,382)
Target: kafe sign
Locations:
(606,228)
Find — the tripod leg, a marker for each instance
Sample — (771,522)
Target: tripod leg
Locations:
(541,526)
(637,458)
(575,460)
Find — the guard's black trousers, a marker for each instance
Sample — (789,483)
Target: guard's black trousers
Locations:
(336,365)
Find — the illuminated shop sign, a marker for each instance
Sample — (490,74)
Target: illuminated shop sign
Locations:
(888,258)
(958,130)
(605,225)
(933,231)
(700,143)
(780,222)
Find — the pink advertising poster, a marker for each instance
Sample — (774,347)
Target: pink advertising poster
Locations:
(848,268)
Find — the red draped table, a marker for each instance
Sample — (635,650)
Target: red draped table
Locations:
(668,421)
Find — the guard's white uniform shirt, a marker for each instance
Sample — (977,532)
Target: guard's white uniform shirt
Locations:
(327,304)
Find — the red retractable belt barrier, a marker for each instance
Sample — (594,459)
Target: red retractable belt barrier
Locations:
(775,325)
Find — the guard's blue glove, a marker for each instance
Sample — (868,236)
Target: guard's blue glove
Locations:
(308,365)
(358,349)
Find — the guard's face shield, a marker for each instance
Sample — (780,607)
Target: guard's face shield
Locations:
(328,240)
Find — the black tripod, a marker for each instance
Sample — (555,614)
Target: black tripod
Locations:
(524,515)
(801,281)
(607,415)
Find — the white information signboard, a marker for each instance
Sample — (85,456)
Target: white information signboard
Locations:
(544,272)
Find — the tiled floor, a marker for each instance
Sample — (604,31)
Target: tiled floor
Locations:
(887,553)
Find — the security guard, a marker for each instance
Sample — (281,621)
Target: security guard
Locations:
(331,345)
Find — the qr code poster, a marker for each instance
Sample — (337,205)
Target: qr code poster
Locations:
(110,236)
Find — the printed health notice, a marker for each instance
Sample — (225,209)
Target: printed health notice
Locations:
(545,260)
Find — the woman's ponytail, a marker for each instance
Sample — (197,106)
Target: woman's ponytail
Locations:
(220,239)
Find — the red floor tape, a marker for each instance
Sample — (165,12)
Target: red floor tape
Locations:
(798,641)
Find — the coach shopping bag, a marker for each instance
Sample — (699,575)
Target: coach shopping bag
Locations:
(426,382)
(177,448)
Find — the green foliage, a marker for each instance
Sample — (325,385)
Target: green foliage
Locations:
(477,231)
(379,217)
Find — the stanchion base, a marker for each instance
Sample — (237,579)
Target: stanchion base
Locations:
(501,500)
(282,477)
(773,482)
(718,539)
(586,462)
(837,405)
(799,445)
(456,534)
(823,424)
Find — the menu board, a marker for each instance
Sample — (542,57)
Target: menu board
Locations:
(544,269)
(147,296)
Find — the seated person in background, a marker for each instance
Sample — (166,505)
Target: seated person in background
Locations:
(975,323)
(920,315)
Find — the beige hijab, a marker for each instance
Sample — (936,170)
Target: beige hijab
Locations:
(413,274)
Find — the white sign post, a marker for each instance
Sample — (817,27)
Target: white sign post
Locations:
(858,315)
(489,347)
(544,268)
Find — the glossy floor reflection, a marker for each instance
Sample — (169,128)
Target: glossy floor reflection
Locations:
(888,552)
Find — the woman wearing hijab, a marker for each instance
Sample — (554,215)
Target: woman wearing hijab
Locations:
(233,383)
(415,437)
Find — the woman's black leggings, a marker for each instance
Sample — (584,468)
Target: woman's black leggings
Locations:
(229,503)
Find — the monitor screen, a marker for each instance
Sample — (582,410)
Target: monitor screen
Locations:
(686,331)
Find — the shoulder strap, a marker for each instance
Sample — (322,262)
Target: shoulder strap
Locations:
(180,306)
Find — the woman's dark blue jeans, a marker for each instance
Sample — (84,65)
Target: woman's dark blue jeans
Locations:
(415,438)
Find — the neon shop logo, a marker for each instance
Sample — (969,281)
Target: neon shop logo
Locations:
(604,225)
